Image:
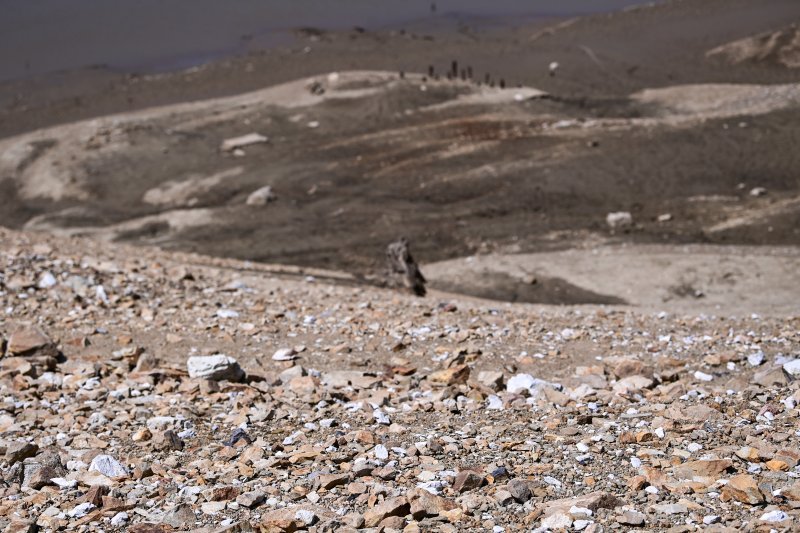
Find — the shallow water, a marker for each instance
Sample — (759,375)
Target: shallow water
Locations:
(43,36)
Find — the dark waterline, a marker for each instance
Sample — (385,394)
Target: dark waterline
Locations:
(42,36)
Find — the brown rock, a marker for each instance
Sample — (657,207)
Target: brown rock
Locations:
(20,450)
(467,480)
(592,501)
(742,488)
(391,507)
(637,483)
(167,441)
(329,481)
(700,469)
(424,504)
(95,495)
(451,376)
(31,341)
(631,367)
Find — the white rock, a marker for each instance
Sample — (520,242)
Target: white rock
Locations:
(119,519)
(619,219)
(710,519)
(260,196)
(774,516)
(284,354)
(526,382)
(81,510)
(64,483)
(557,521)
(307,517)
(381,452)
(702,376)
(108,466)
(580,525)
(755,359)
(229,145)
(792,368)
(758,191)
(47,280)
(227,313)
(494,402)
(214,367)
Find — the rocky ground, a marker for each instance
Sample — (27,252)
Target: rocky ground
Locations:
(147,391)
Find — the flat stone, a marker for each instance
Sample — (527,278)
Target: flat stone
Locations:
(20,450)
(592,501)
(30,340)
(251,499)
(701,469)
(742,488)
(631,518)
(392,507)
(214,367)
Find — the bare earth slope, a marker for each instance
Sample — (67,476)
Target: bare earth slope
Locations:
(363,407)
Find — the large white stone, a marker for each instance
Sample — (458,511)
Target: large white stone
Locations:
(792,368)
(108,466)
(214,367)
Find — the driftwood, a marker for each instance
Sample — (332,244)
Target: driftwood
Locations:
(403,265)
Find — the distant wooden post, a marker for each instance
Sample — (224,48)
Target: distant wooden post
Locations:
(401,263)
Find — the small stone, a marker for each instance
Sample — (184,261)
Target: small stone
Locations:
(392,507)
(520,490)
(20,450)
(742,488)
(261,196)
(381,453)
(557,521)
(108,466)
(285,354)
(670,508)
(167,441)
(214,367)
(631,518)
(329,481)
(234,143)
(80,510)
(619,220)
(774,516)
(792,368)
(119,519)
(180,517)
(467,480)
(251,499)
(30,341)
(451,376)
(305,516)
(704,468)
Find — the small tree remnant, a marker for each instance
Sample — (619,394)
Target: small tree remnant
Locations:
(402,263)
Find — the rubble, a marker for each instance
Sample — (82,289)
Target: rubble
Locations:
(402,416)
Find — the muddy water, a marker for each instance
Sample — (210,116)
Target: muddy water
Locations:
(42,36)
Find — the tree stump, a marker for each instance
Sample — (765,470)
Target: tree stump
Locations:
(402,264)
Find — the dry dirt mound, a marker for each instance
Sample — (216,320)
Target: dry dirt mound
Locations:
(781,47)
